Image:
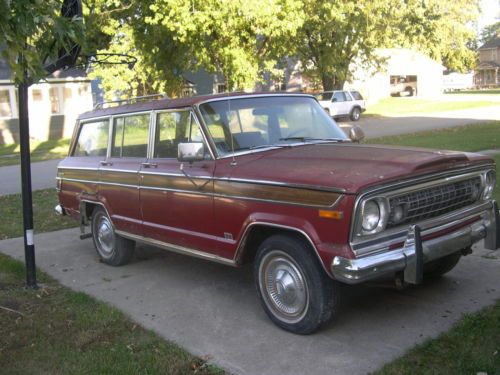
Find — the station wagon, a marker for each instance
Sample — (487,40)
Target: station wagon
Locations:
(271,179)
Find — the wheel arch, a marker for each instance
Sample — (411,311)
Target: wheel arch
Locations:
(256,232)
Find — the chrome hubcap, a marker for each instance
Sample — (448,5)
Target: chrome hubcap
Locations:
(105,236)
(283,287)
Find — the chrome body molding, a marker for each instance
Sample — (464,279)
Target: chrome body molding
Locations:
(407,186)
(358,270)
(178,249)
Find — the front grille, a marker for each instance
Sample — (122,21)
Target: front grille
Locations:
(427,203)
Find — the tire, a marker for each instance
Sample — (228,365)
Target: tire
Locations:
(111,248)
(439,267)
(294,290)
(355,114)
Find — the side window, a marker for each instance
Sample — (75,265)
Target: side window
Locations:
(92,139)
(173,128)
(130,136)
(356,95)
(339,97)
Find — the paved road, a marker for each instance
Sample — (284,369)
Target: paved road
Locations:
(213,310)
(411,123)
(43,176)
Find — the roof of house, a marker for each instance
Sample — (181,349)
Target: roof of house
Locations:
(493,43)
(6,73)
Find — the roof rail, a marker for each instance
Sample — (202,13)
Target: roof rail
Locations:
(136,99)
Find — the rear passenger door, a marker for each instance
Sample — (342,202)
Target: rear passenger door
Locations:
(119,173)
(177,207)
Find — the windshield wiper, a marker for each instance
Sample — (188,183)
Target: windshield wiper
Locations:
(308,139)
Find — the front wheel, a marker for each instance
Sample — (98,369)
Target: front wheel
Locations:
(295,291)
(355,114)
(112,248)
(439,267)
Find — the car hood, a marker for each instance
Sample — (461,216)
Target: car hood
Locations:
(349,167)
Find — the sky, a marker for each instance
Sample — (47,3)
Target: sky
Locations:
(490,13)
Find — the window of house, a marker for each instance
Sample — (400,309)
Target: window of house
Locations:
(280,86)
(220,88)
(36,94)
(55,105)
(130,136)
(93,139)
(5,105)
(173,128)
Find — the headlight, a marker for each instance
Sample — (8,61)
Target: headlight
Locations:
(374,215)
(489,184)
(371,216)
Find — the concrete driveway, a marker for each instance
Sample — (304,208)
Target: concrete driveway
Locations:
(213,310)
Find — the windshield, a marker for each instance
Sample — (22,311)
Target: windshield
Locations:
(267,121)
(323,96)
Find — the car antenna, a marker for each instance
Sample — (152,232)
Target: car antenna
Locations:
(233,161)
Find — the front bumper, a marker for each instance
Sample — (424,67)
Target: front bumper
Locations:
(416,251)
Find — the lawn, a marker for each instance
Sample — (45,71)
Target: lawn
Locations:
(54,330)
(403,106)
(57,149)
(468,138)
(45,219)
(472,346)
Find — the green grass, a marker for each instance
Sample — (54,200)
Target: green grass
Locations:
(40,151)
(45,219)
(464,138)
(403,106)
(470,347)
(468,138)
(54,330)
(475,92)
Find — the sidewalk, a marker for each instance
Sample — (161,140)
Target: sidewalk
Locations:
(213,310)
(43,176)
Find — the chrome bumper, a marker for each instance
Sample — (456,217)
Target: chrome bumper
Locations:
(415,252)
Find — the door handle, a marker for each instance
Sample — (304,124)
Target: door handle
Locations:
(104,162)
(149,165)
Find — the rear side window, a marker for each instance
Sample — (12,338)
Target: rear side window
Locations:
(356,95)
(92,139)
(339,96)
(130,136)
(173,128)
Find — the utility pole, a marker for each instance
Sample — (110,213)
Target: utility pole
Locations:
(24,141)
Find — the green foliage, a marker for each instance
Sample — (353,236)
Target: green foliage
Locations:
(490,32)
(35,29)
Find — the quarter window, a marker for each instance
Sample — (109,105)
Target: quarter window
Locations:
(130,136)
(173,128)
(93,139)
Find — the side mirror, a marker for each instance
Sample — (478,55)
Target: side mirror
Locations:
(356,134)
(189,152)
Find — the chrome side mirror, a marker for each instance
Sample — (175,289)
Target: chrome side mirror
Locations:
(189,152)
(356,134)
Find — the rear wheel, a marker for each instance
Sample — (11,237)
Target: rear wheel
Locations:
(112,248)
(355,114)
(439,267)
(295,291)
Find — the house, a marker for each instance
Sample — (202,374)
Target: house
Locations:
(53,105)
(404,72)
(487,73)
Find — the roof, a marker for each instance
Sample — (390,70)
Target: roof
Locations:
(488,65)
(169,103)
(6,73)
(493,43)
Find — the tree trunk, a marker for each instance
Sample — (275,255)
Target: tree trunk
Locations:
(328,81)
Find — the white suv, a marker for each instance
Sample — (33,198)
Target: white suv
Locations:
(342,103)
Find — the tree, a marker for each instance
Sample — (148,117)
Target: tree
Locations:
(36,30)
(490,32)
(337,33)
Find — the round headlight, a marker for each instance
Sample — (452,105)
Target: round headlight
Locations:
(371,216)
(489,184)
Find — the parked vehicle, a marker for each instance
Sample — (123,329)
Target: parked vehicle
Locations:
(340,104)
(271,179)
(403,85)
